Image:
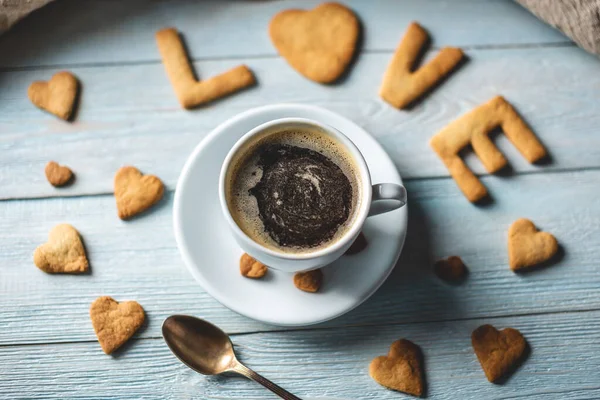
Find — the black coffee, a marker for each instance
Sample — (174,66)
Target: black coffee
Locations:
(293,190)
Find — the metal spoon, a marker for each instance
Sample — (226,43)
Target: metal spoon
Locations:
(208,350)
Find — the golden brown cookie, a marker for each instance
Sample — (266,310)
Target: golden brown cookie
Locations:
(319,43)
(473,129)
(451,269)
(136,192)
(63,253)
(498,352)
(114,323)
(57,96)
(359,244)
(190,92)
(528,247)
(401,369)
(251,268)
(58,175)
(309,281)
(402,84)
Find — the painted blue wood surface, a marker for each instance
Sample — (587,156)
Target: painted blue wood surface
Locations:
(128,114)
(108,31)
(563,364)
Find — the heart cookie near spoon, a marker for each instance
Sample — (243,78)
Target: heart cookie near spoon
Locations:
(57,96)
(114,322)
(319,43)
(527,246)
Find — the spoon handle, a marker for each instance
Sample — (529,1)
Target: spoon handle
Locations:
(248,373)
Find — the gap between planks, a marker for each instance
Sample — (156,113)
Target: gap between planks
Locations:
(416,179)
(517,46)
(325,328)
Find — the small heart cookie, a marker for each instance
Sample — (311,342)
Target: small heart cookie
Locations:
(57,96)
(114,323)
(451,269)
(63,253)
(136,192)
(58,175)
(251,268)
(528,247)
(318,43)
(309,281)
(401,369)
(498,352)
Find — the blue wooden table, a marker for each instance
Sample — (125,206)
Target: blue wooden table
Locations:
(129,115)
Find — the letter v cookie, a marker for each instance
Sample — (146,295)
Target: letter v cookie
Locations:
(473,129)
(401,85)
(190,92)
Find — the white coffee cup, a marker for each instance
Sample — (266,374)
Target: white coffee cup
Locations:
(374,199)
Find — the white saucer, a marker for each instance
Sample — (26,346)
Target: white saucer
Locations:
(212,255)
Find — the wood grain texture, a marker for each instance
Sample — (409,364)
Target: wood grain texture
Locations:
(139,260)
(130,115)
(100,31)
(563,364)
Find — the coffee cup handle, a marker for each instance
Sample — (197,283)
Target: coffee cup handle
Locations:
(387,197)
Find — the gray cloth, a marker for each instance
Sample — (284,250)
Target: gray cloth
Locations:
(13,10)
(578,19)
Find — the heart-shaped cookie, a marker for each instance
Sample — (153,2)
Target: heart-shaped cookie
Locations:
(309,281)
(498,352)
(451,269)
(136,192)
(401,369)
(57,96)
(318,43)
(528,247)
(58,175)
(252,268)
(63,253)
(113,322)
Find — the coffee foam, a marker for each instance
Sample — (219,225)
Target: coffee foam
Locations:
(244,173)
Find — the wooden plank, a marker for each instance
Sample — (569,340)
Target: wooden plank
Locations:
(129,115)
(72,32)
(564,363)
(139,260)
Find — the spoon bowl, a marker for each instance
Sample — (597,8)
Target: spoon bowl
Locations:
(208,350)
(199,344)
